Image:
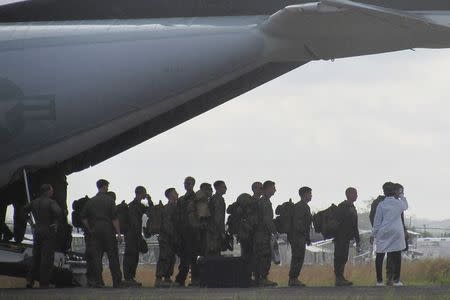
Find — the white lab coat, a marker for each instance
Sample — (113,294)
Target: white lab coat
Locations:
(388,227)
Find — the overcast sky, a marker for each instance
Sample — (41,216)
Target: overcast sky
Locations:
(328,125)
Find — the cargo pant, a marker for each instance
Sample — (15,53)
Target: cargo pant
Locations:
(341,247)
(44,243)
(298,248)
(166,259)
(263,254)
(190,249)
(103,239)
(248,255)
(131,255)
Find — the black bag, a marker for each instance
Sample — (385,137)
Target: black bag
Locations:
(283,222)
(143,247)
(155,220)
(223,272)
(326,222)
(77,207)
(124,217)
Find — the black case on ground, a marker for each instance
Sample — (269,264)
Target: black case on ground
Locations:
(223,272)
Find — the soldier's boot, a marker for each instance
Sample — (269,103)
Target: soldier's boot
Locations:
(266,282)
(132,283)
(341,281)
(160,283)
(30,284)
(95,285)
(118,285)
(294,282)
(194,283)
(177,284)
(168,281)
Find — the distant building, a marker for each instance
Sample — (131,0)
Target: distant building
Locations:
(433,247)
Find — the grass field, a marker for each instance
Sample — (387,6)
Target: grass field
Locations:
(418,273)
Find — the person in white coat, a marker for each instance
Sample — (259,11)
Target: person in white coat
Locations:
(389,233)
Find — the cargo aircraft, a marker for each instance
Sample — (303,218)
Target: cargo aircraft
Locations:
(84,80)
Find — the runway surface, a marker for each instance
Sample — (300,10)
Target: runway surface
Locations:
(407,292)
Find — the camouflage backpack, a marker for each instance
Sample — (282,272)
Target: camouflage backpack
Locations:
(326,222)
(243,216)
(154,221)
(283,221)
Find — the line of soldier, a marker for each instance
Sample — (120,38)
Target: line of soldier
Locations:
(192,225)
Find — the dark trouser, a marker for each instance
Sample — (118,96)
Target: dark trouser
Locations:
(213,243)
(393,266)
(131,255)
(298,248)
(104,240)
(166,259)
(89,255)
(340,256)
(248,255)
(379,266)
(190,249)
(263,254)
(20,221)
(44,243)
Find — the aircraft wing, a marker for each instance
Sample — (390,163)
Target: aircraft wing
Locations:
(340,28)
(9,2)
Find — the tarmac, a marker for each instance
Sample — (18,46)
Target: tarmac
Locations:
(358,292)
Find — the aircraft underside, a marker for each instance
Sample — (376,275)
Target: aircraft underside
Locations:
(75,93)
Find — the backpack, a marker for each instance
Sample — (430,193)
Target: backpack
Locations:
(123,216)
(154,221)
(283,222)
(198,210)
(77,207)
(243,216)
(326,222)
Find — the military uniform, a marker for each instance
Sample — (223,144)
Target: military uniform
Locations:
(100,211)
(216,228)
(299,236)
(133,238)
(46,213)
(250,215)
(347,217)
(168,240)
(189,241)
(264,230)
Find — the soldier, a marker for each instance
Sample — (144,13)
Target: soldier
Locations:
(133,236)
(299,236)
(99,216)
(215,234)
(168,241)
(199,218)
(347,230)
(247,249)
(186,233)
(46,213)
(264,231)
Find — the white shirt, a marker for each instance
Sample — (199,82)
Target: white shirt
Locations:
(388,227)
